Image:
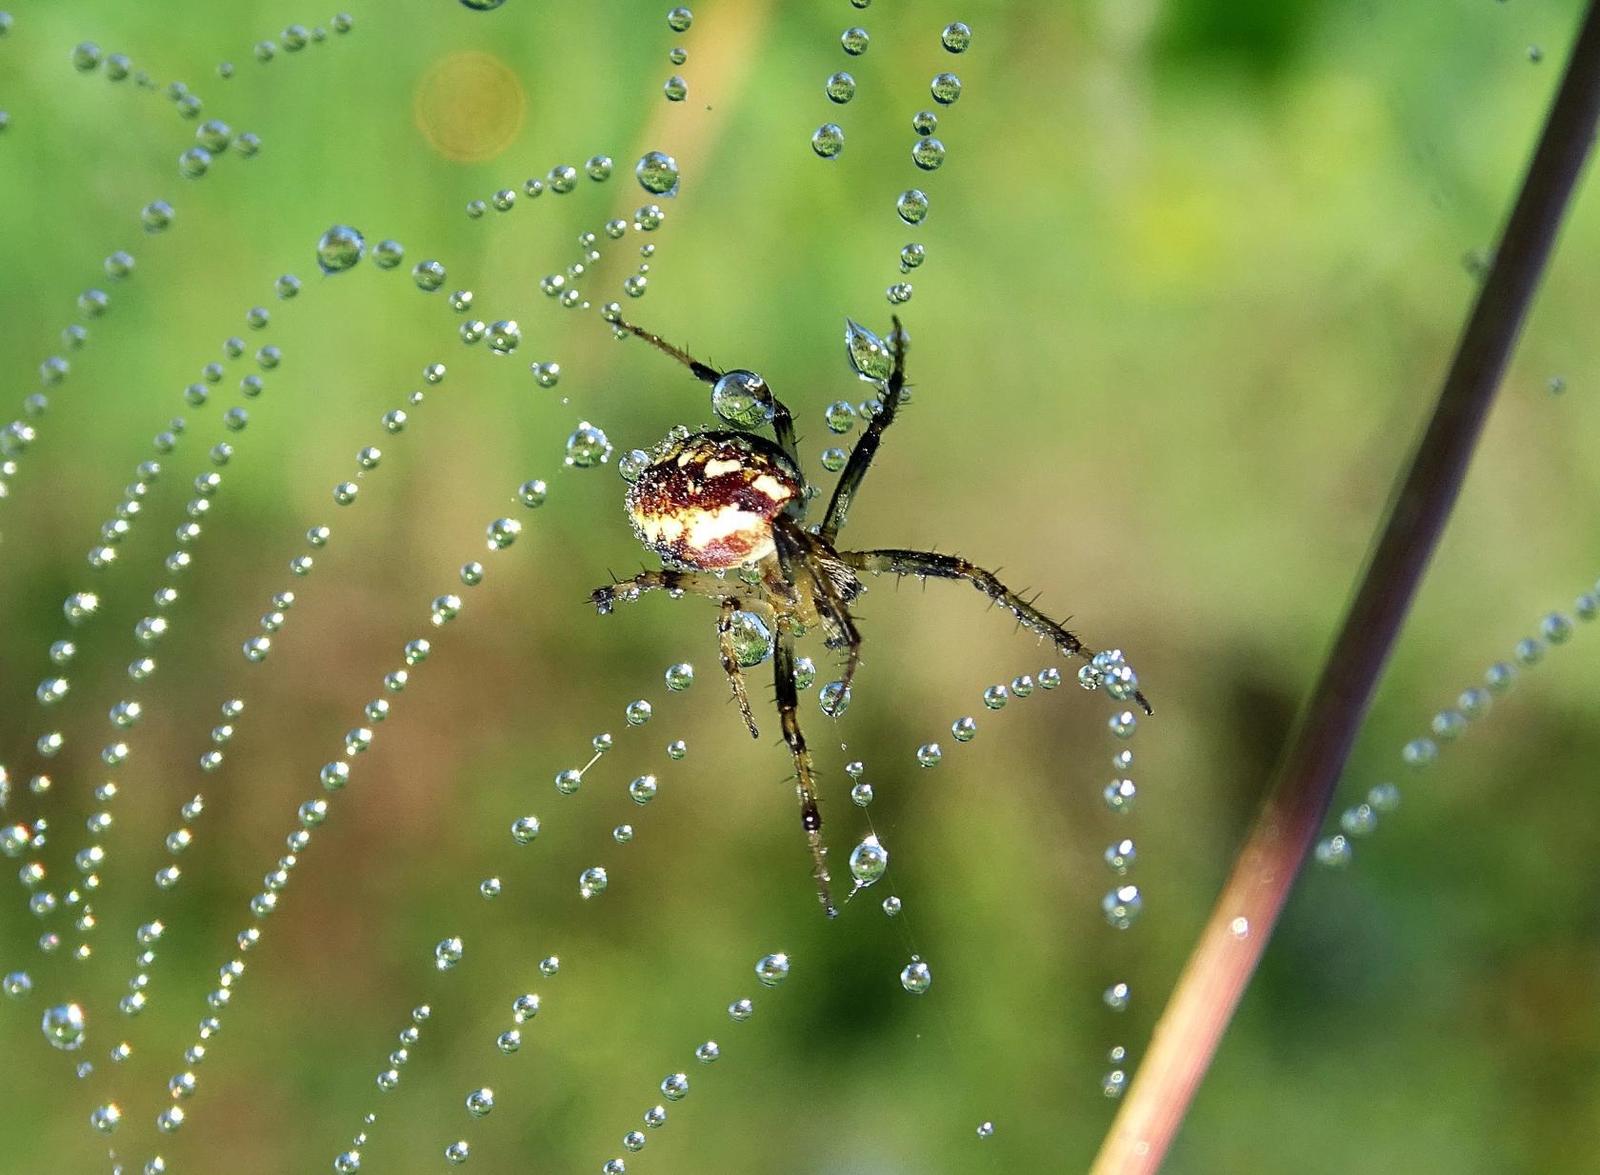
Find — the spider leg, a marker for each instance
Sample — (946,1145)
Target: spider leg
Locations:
(833,584)
(730,663)
(855,471)
(927,563)
(700,584)
(666,580)
(805,782)
(782,418)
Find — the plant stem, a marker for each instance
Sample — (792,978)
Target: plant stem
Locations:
(1230,946)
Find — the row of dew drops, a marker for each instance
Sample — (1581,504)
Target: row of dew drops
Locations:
(1474,703)
(927,150)
(213,138)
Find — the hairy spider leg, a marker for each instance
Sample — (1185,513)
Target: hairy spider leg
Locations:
(930,563)
(699,584)
(805,782)
(866,447)
(800,552)
(782,419)
(730,663)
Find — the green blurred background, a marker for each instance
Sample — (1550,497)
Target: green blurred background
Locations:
(1194,271)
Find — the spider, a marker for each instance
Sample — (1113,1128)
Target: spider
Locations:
(709,502)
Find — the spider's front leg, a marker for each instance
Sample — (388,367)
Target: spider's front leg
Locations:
(930,563)
(750,384)
(855,472)
(805,781)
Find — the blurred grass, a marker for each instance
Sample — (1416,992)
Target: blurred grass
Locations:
(1192,276)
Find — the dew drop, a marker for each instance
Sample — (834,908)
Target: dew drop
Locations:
(869,860)
(657,173)
(339,249)
(828,140)
(916,977)
(772,969)
(587,447)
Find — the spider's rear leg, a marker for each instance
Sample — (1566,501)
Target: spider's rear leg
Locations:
(805,781)
(954,567)
(666,580)
(730,662)
(695,583)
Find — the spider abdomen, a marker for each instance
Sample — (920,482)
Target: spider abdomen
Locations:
(708,500)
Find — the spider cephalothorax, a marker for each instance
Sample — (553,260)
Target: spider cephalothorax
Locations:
(711,501)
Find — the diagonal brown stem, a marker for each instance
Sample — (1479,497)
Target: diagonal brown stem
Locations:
(1225,957)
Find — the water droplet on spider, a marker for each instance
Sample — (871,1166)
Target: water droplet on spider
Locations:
(869,860)
(592,882)
(916,977)
(587,447)
(1122,905)
(751,639)
(657,173)
(869,356)
(64,1026)
(840,416)
(912,206)
(805,672)
(855,41)
(741,398)
(340,248)
(772,969)
(929,755)
(834,698)
(448,953)
(828,140)
(861,794)
(632,464)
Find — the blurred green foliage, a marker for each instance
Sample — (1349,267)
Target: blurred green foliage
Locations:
(1194,272)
